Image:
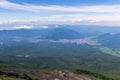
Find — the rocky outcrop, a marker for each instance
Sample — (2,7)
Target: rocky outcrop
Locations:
(44,75)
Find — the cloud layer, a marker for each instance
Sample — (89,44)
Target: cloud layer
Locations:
(30,7)
(88,15)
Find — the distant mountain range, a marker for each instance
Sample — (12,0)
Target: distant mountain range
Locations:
(54,34)
(109,40)
(62,34)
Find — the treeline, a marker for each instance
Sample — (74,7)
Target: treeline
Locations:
(96,75)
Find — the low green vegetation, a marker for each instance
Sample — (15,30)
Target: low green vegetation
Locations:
(110,51)
(98,76)
(57,56)
(8,78)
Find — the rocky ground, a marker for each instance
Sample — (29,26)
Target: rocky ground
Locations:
(61,75)
(44,75)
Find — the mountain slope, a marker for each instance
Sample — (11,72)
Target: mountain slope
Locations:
(62,33)
(109,40)
(7,74)
(53,34)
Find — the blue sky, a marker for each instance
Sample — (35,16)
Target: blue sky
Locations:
(67,2)
(74,12)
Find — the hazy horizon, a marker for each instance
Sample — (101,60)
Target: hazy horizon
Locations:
(26,13)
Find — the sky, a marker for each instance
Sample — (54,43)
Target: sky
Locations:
(20,13)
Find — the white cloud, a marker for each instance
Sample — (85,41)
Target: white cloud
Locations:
(83,19)
(31,7)
(23,27)
(45,27)
(99,14)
